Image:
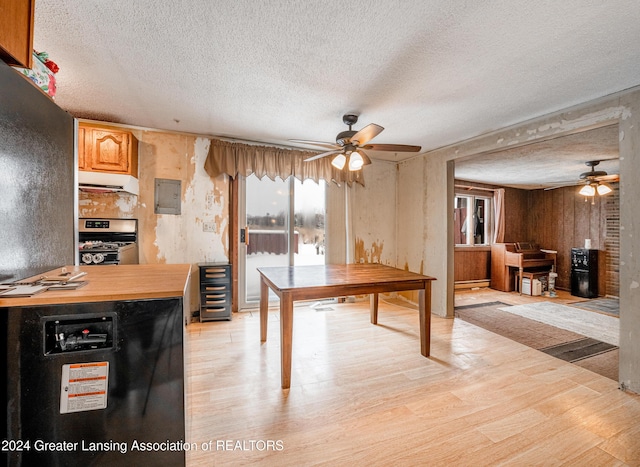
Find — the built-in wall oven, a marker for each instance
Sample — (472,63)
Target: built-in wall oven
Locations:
(107,241)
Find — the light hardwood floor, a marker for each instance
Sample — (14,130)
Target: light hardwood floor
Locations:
(363,395)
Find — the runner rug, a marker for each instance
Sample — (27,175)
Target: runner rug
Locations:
(607,305)
(586,351)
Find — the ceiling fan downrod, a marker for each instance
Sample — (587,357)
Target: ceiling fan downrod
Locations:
(593,173)
(344,137)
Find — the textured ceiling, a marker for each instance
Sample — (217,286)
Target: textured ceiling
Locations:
(432,72)
(552,163)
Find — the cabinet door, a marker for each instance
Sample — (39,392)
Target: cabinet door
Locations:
(16,32)
(84,154)
(110,150)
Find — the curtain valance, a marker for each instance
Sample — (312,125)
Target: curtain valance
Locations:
(244,159)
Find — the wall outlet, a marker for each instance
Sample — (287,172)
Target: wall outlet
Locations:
(208,226)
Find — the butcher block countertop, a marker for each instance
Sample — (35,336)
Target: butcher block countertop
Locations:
(110,283)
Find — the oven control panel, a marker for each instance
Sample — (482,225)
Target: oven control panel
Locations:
(96,224)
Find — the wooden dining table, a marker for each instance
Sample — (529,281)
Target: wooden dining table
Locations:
(291,283)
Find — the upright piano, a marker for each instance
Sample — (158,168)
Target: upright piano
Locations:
(507,259)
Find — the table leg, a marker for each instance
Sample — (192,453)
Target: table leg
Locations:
(424,309)
(373,307)
(264,309)
(286,335)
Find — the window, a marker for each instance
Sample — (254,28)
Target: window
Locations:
(472,220)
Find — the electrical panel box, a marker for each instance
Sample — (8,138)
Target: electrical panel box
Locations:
(167,196)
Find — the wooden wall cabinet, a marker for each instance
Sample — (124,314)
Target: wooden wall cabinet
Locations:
(16,32)
(104,149)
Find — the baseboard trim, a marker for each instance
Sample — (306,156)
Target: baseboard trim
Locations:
(471,284)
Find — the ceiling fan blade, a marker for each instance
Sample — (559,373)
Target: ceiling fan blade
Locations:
(322,144)
(323,154)
(609,178)
(564,185)
(367,134)
(393,147)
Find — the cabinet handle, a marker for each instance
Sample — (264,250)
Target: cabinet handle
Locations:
(215,271)
(216,276)
(215,302)
(215,297)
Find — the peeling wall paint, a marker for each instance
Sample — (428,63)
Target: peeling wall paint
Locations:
(168,238)
(200,233)
(373,254)
(116,205)
(374,215)
(409,219)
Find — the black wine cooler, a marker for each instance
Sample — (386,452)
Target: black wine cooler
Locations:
(584,272)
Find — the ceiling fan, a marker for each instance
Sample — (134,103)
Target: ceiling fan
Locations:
(349,145)
(593,181)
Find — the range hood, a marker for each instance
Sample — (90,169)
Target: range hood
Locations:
(103,182)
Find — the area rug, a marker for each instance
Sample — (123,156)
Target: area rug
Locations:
(578,350)
(610,306)
(591,354)
(595,325)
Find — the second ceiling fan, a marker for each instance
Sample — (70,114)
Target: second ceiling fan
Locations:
(594,180)
(349,145)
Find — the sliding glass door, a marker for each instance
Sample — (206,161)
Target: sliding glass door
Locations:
(281,223)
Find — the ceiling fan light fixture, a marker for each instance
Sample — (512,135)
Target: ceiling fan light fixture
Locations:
(339,161)
(588,190)
(351,141)
(355,161)
(603,189)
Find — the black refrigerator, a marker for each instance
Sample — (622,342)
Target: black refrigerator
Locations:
(139,342)
(584,272)
(37,180)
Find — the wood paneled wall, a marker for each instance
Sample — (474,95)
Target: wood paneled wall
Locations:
(516,211)
(472,263)
(558,220)
(561,219)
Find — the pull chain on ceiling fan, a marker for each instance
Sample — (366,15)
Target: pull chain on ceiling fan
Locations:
(349,145)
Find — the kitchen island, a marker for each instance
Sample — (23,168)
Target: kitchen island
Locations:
(99,369)
(105,283)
